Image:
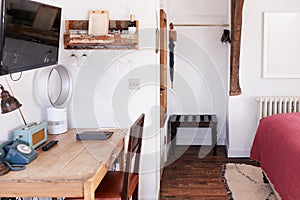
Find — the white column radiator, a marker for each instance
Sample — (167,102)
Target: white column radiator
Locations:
(270,105)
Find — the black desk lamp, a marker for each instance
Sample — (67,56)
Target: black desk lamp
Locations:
(9,103)
(34,134)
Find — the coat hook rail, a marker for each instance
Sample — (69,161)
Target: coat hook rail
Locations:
(224,25)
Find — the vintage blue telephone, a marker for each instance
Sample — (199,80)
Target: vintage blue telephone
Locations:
(16,154)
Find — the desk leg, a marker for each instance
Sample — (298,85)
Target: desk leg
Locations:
(88,193)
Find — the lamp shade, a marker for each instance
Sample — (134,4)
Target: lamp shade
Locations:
(8,102)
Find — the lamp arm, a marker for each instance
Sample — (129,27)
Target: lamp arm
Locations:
(23,118)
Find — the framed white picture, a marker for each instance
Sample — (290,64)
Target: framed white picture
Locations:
(98,22)
(281,45)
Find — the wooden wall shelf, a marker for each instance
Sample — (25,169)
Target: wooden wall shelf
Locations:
(76,36)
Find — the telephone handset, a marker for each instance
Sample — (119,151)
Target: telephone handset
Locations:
(16,154)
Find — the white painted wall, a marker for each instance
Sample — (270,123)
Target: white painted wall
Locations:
(103,82)
(242,109)
(201,66)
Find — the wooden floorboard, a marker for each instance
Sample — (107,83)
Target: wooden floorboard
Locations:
(194,177)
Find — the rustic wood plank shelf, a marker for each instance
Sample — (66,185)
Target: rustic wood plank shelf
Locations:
(76,36)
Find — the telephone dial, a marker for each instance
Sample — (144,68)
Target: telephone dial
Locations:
(16,154)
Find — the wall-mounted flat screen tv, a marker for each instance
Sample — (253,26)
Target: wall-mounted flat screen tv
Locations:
(30,34)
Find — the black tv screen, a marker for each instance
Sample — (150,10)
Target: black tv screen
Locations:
(30,34)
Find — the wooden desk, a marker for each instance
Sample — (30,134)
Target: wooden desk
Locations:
(70,169)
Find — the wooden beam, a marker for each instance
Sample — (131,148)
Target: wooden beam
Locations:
(236,29)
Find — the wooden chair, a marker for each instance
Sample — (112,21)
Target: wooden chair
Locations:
(124,185)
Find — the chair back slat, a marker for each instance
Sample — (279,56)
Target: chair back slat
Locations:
(133,153)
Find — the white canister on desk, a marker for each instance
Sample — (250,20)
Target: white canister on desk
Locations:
(57,120)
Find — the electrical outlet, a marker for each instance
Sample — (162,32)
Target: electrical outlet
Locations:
(133,83)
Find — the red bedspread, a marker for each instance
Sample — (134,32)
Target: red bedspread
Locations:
(277,147)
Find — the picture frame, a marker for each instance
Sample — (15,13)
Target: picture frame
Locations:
(98,22)
(281,45)
(281,39)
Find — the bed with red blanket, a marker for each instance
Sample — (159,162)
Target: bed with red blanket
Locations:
(277,147)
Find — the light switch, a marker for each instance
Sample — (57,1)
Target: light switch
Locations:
(134,83)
